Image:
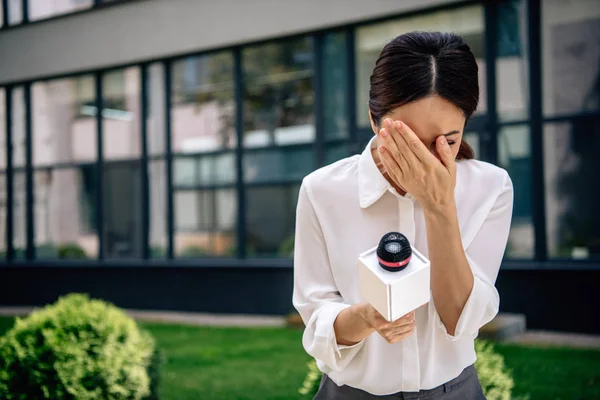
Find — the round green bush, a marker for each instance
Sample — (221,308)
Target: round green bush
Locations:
(495,378)
(78,349)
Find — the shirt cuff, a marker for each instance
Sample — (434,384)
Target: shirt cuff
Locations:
(326,349)
(480,308)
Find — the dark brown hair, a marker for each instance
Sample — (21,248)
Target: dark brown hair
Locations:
(420,64)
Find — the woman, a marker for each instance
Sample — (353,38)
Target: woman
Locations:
(417,176)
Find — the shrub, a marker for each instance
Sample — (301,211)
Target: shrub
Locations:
(496,380)
(71,251)
(78,349)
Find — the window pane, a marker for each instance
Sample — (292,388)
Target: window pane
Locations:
(571,50)
(121,114)
(41,9)
(64,213)
(370,40)
(571,166)
(278,98)
(2,129)
(205,223)
(515,156)
(15,12)
(270,220)
(18,127)
(123,236)
(63,120)
(336,152)
(155,86)
(512,72)
(335,86)
(19,214)
(472,138)
(203,107)
(204,170)
(280,164)
(158,208)
(3,215)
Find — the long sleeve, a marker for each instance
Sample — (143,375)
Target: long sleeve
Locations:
(484,255)
(316,296)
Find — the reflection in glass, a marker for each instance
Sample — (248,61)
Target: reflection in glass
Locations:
(335,86)
(286,163)
(2,129)
(278,97)
(3,216)
(64,213)
(63,121)
(570,56)
(514,155)
(512,63)
(123,236)
(158,208)
(370,40)
(15,12)
(205,223)
(472,138)
(155,121)
(336,152)
(203,107)
(121,114)
(18,127)
(41,9)
(19,214)
(571,166)
(270,220)
(204,170)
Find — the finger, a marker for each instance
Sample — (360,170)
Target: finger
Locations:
(405,318)
(401,337)
(390,164)
(414,143)
(445,153)
(404,147)
(386,136)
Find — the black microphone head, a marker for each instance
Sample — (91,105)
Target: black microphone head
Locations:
(394,252)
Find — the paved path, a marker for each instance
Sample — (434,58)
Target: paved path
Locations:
(542,338)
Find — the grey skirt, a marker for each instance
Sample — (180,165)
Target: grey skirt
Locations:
(464,387)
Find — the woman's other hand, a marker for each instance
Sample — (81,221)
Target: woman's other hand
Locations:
(392,332)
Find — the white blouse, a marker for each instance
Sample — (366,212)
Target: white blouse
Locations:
(344,209)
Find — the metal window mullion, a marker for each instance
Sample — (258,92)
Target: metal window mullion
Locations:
(351,90)
(29,195)
(534,17)
(239,162)
(169,162)
(25,11)
(490,142)
(10,251)
(98,76)
(319,145)
(144,163)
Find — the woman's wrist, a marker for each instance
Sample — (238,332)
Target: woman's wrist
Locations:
(352,325)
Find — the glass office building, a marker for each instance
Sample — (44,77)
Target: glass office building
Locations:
(162,144)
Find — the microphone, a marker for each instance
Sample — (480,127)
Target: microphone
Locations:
(394,252)
(394,277)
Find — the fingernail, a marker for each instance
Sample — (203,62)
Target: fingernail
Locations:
(443,140)
(381,149)
(398,125)
(383,132)
(388,123)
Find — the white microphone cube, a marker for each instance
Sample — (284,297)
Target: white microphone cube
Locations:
(394,294)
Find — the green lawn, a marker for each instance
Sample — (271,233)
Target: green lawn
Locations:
(268,364)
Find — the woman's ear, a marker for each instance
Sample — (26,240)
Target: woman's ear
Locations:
(373,124)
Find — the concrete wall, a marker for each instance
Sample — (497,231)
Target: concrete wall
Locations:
(149,29)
